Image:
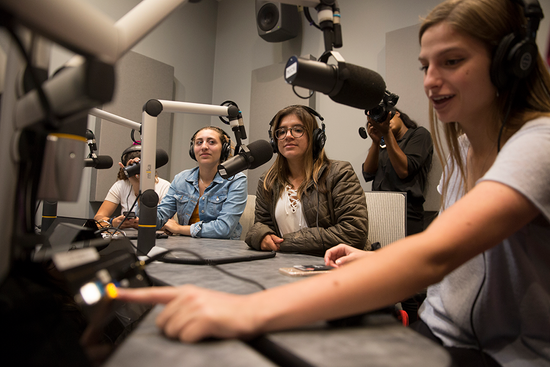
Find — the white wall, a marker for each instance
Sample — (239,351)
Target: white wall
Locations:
(214,47)
(185,40)
(365,23)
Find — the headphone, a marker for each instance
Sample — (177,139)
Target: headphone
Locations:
(130,149)
(516,54)
(319,137)
(226,145)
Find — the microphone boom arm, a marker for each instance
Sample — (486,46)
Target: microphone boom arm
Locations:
(81,28)
(151,110)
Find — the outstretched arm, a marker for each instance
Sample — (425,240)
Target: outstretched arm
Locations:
(482,219)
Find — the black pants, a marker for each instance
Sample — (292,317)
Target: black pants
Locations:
(461,357)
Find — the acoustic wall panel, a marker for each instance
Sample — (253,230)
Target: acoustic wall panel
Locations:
(269,94)
(138,79)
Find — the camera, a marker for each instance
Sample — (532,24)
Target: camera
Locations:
(386,105)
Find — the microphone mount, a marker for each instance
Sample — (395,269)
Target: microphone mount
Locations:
(328,13)
(151,110)
(91,144)
(235,120)
(341,69)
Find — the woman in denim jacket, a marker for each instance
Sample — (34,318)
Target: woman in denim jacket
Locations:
(207,205)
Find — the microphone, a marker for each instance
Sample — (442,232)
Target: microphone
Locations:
(160,160)
(257,153)
(99,162)
(345,83)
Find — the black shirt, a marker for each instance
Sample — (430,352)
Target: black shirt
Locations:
(418,147)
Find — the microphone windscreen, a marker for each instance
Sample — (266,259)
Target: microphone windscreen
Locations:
(104,162)
(161,158)
(262,152)
(101,162)
(363,88)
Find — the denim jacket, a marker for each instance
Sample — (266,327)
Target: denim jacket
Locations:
(220,207)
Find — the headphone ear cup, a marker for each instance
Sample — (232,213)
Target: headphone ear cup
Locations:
(500,75)
(523,58)
(226,151)
(192,151)
(274,146)
(514,58)
(271,140)
(319,140)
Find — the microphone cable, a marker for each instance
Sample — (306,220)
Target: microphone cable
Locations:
(311,92)
(310,19)
(51,120)
(111,230)
(160,256)
(28,178)
(215,266)
(225,104)
(507,114)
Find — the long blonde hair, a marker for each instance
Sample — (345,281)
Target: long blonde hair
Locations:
(488,21)
(278,173)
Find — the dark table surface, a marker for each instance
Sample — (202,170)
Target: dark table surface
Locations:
(378,340)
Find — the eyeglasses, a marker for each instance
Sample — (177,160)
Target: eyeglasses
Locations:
(295,131)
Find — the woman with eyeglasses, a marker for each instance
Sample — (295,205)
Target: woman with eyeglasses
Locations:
(305,202)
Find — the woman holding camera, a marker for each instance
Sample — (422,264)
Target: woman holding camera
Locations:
(399,159)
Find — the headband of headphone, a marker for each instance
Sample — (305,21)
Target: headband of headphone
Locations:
(226,145)
(130,149)
(516,55)
(318,137)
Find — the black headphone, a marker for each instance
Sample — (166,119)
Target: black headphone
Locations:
(516,55)
(319,137)
(130,149)
(226,145)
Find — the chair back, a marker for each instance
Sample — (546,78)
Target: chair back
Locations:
(247,219)
(387,216)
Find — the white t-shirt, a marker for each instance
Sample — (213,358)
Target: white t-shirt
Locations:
(122,193)
(504,292)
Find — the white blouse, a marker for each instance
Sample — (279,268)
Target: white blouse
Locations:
(288,212)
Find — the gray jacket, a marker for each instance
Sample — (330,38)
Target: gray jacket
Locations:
(343,216)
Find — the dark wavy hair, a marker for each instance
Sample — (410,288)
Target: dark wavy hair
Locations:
(409,123)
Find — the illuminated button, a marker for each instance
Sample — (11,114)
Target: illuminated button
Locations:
(111,290)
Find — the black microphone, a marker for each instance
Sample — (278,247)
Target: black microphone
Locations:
(252,156)
(347,84)
(160,160)
(99,162)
